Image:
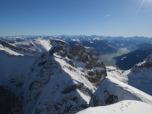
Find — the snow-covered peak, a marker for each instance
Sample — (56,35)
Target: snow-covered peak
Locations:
(149,59)
(142,66)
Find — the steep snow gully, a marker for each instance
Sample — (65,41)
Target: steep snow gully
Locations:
(50,77)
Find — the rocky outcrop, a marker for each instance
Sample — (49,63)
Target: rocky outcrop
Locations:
(96,70)
(103,97)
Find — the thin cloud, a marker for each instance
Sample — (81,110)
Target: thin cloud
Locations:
(144,10)
(107,15)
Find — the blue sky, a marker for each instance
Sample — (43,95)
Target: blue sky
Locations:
(76,17)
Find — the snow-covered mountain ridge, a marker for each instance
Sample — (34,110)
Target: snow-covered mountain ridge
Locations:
(61,80)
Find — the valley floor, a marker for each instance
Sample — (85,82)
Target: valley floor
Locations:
(107,58)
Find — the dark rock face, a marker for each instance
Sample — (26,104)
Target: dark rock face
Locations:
(97,102)
(64,106)
(9,103)
(110,98)
(107,99)
(69,88)
(43,77)
(76,50)
(79,50)
(63,51)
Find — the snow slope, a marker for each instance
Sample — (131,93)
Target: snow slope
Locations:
(117,94)
(38,45)
(123,107)
(112,91)
(140,76)
(14,69)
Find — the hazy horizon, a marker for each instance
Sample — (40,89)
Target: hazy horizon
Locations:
(74,35)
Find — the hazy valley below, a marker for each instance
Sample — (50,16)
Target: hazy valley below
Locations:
(108,58)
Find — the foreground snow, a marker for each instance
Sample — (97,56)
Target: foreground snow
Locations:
(123,107)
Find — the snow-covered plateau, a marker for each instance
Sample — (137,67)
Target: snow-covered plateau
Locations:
(50,77)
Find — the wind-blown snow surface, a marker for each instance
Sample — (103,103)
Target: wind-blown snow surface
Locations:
(123,107)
